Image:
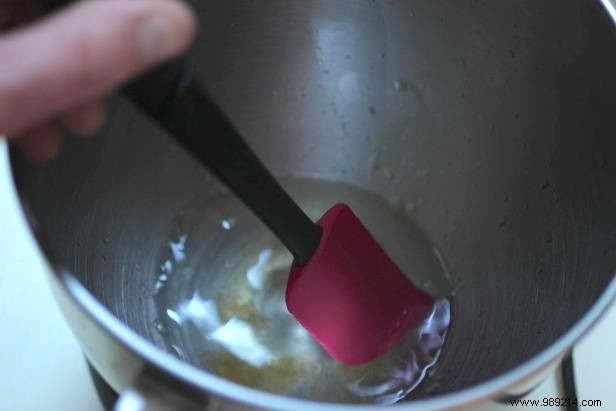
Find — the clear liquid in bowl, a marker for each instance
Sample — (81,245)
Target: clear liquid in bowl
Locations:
(220,299)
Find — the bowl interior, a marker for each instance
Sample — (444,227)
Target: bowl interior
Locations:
(494,119)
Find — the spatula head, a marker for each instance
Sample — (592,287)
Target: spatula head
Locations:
(351,296)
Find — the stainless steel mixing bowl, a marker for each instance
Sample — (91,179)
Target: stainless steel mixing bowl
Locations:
(496,118)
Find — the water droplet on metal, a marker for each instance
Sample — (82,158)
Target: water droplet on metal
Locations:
(503,222)
(175,317)
(166,266)
(409,208)
(389,174)
(395,204)
(545,185)
(228,223)
(373,163)
(161,327)
(400,85)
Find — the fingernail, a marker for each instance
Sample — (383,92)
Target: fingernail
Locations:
(160,37)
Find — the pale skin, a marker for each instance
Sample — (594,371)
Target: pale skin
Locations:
(56,71)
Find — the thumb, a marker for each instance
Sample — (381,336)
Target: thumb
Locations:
(81,53)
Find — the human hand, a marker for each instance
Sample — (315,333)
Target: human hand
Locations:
(55,72)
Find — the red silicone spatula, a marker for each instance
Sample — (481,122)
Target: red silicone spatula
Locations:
(343,288)
(350,295)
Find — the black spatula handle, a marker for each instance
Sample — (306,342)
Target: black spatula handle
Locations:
(173,98)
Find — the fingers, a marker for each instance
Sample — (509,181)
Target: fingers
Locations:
(78,55)
(41,143)
(84,120)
